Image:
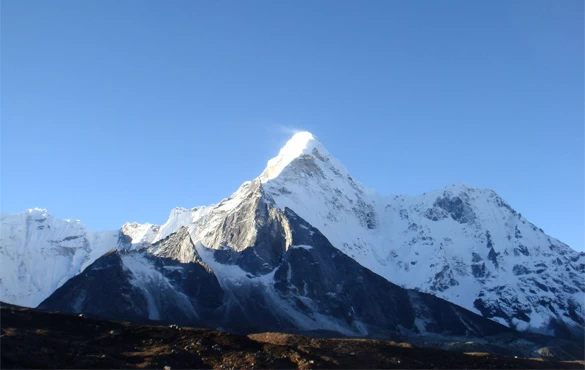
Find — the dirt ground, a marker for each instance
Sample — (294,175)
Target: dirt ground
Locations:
(35,339)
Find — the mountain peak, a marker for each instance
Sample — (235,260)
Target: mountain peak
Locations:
(300,139)
(300,144)
(38,212)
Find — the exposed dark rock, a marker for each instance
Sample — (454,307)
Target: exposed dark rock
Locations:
(501,203)
(444,279)
(403,214)
(491,309)
(479,270)
(493,256)
(521,270)
(459,210)
(365,213)
(475,257)
(573,308)
(521,249)
(488,237)
(436,214)
(124,241)
(517,233)
(252,236)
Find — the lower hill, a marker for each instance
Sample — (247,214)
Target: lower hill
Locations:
(37,339)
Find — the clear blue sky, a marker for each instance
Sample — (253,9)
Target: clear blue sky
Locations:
(116,111)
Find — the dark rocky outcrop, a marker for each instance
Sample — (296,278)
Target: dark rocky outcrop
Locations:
(137,286)
(457,208)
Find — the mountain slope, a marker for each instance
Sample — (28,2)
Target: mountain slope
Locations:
(140,286)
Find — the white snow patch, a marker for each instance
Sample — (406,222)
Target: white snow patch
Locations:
(301,246)
(144,276)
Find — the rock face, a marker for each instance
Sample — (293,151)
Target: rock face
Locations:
(262,244)
(140,286)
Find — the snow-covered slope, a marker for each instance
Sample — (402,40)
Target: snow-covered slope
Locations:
(461,243)
(38,253)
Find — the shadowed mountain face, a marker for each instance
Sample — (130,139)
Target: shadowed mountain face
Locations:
(139,286)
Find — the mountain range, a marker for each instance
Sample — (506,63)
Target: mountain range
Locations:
(305,247)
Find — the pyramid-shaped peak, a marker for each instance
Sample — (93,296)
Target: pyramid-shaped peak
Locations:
(300,144)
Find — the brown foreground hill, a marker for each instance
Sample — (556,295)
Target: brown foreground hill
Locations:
(36,339)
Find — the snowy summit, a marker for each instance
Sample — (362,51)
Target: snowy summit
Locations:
(300,144)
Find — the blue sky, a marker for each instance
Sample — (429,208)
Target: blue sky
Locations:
(116,111)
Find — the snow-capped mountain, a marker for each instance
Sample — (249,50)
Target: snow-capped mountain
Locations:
(39,253)
(463,244)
